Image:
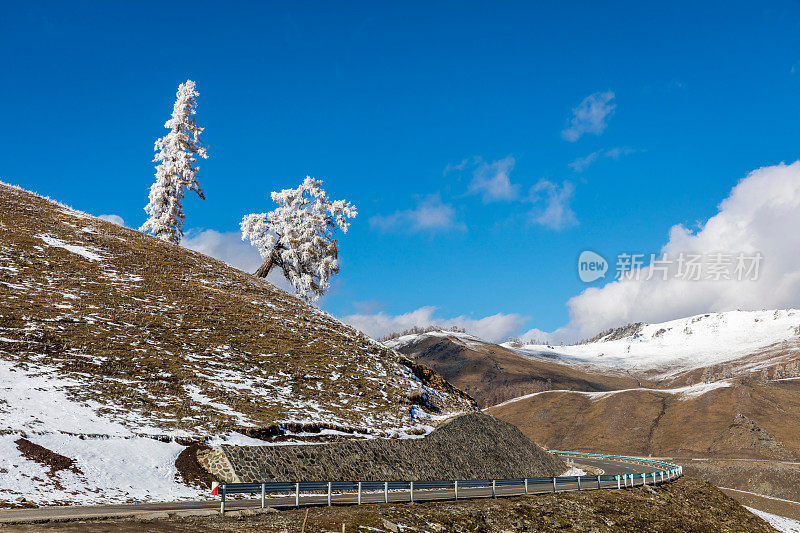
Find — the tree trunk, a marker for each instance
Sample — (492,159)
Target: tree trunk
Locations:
(267,265)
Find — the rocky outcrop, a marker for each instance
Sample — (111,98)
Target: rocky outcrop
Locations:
(472,446)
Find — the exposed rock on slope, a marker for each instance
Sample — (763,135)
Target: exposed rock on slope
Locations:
(106,331)
(473,446)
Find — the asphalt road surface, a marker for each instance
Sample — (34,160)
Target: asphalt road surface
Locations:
(131,510)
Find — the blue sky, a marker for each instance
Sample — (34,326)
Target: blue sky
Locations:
(450,126)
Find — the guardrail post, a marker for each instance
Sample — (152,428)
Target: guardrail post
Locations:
(598,482)
(329,493)
(526,485)
(386,492)
(411,490)
(494,489)
(554,484)
(579,482)
(297,494)
(359,493)
(662,476)
(263,495)
(222,500)
(455,488)
(619,485)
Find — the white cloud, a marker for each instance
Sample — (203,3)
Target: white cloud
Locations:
(493,181)
(582,163)
(761,214)
(590,116)
(494,328)
(430,215)
(114,219)
(555,212)
(229,247)
(619,151)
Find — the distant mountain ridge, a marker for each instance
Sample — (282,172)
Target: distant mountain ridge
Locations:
(717,384)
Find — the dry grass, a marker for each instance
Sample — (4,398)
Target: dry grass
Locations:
(749,419)
(492,374)
(173,340)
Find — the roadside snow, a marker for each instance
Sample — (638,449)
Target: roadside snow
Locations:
(574,471)
(111,470)
(781,523)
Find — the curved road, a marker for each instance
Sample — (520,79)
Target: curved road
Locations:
(85,512)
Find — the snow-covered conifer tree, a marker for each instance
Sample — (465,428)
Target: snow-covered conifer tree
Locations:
(176,154)
(297,236)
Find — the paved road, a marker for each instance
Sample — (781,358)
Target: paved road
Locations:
(132,510)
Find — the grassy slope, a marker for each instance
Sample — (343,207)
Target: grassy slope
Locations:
(492,374)
(748,419)
(162,339)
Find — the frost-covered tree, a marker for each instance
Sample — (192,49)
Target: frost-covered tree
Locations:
(297,236)
(176,155)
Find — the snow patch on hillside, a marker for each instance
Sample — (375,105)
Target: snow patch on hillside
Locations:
(36,399)
(681,344)
(463,338)
(109,470)
(781,523)
(683,393)
(74,248)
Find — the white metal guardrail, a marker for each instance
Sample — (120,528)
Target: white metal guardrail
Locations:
(295,494)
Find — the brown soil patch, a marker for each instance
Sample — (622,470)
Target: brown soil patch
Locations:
(45,457)
(189,468)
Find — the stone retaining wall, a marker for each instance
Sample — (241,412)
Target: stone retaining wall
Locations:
(217,464)
(472,446)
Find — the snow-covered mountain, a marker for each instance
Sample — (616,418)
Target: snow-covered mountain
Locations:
(117,349)
(685,344)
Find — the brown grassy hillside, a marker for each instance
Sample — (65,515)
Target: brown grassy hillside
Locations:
(747,419)
(161,339)
(492,374)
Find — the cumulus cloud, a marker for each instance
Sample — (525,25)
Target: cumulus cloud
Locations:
(552,208)
(114,219)
(229,247)
(493,180)
(760,215)
(430,215)
(494,328)
(590,116)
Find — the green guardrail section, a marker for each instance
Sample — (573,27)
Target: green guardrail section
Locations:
(673,470)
